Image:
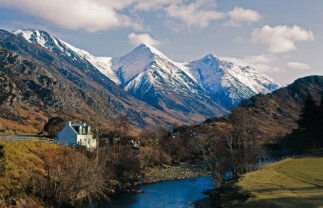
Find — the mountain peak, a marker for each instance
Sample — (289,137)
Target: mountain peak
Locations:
(34,36)
(136,62)
(211,58)
(148,49)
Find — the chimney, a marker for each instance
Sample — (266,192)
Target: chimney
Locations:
(80,129)
(68,123)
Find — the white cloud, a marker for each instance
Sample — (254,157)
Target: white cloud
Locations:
(252,60)
(99,15)
(298,66)
(281,38)
(145,38)
(90,15)
(262,63)
(199,13)
(240,15)
(147,5)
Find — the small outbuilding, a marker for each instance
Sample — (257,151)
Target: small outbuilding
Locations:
(77,134)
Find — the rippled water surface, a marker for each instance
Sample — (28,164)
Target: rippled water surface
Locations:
(176,193)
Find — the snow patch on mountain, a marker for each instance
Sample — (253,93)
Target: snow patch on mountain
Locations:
(103,64)
(145,68)
(137,61)
(148,74)
(222,78)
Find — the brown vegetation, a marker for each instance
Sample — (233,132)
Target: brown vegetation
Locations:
(232,150)
(51,174)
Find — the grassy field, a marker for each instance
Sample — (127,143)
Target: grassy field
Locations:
(291,183)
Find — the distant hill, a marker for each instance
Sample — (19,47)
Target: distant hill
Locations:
(274,114)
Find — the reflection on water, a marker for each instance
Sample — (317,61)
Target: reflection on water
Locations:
(177,193)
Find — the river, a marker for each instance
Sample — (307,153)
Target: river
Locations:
(175,193)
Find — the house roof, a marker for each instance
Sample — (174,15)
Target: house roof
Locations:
(85,129)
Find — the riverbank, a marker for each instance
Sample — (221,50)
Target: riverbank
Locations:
(293,182)
(178,172)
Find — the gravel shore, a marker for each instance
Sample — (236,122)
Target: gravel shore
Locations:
(181,171)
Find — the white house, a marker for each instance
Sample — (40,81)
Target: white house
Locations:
(77,134)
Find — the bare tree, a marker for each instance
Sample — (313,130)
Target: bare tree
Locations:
(213,154)
(103,112)
(70,180)
(121,126)
(235,149)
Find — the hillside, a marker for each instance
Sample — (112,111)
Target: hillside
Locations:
(271,115)
(37,84)
(294,182)
(25,165)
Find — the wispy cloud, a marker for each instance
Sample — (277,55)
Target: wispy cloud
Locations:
(145,38)
(195,14)
(298,66)
(148,5)
(282,38)
(262,63)
(239,15)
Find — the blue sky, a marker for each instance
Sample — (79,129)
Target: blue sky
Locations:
(283,39)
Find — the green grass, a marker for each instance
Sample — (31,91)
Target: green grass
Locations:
(291,183)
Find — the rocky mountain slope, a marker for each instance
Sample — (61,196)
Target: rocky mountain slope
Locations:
(38,83)
(150,76)
(227,83)
(189,91)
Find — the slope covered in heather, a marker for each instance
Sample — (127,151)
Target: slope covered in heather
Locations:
(270,116)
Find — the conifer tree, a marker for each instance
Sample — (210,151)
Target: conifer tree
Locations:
(308,117)
(320,123)
(309,120)
(320,109)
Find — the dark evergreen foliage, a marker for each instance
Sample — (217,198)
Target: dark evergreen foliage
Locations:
(311,121)
(308,117)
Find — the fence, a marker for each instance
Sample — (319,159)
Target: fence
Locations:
(33,138)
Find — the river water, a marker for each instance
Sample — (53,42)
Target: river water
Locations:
(175,193)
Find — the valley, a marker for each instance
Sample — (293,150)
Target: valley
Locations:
(152,119)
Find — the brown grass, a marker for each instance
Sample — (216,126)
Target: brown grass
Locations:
(22,161)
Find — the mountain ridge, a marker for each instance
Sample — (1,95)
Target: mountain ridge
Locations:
(88,84)
(173,87)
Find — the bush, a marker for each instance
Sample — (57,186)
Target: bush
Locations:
(121,163)
(152,156)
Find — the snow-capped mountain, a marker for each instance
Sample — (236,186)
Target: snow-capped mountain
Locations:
(44,39)
(228,83)
(145,68)
(149,75)
(191,91)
